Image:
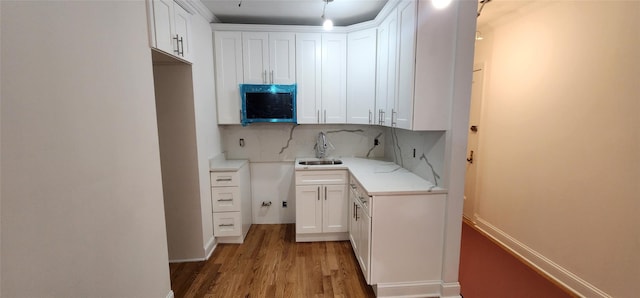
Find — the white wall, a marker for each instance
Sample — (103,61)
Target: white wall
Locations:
(179,159)
(558,154)
(208,137)
(82,211)
(271,148)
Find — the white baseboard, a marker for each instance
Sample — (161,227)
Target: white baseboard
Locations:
(554,271)
(450,290)
(187,260)
(408,289)
(210,247)
(170,294)
(339,236)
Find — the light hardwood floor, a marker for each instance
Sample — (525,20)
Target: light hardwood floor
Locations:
(271,264)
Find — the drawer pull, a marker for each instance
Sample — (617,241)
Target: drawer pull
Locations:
(225,200)
(225,225)
(223,179)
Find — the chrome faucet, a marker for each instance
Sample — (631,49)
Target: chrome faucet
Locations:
(321,145)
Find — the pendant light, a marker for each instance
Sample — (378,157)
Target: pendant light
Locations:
(328,23)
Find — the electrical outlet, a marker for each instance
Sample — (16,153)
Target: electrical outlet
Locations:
(376,142)
(414,152)
(284,204)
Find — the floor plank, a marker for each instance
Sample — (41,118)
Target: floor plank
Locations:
(271,264)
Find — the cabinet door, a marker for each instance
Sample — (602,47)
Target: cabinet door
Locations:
(364,244)
(385,60)
(334,78)
(182,33)
(392,68)
(282,58)
(403,111)
(163,24)
(335,208)
(255,54)
(308,209)
(354,227)
(361,76)
(308,77)
(228,67)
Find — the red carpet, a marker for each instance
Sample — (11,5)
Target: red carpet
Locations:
(488,271)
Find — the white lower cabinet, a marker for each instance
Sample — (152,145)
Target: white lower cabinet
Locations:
(231,204)
(360,231)
(321,206)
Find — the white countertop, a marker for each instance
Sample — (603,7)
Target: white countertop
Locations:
(379,177)
(226,165)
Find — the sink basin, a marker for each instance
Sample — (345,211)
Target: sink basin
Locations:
(320,162)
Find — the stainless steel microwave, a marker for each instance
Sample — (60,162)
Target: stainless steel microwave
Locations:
(268,103)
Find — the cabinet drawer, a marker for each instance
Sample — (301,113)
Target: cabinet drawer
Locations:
(224,178)
(227,224)
(321,177)
(225,199)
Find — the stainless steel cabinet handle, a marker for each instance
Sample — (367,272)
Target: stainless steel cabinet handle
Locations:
(223,179)
(357,212)
(264,76)
(225,225)
(353,185)
(318,193)
(325,193)
(393,122)
(318,116)
(177,50)
(272,77)
(225,200)
(370,116)
(181,47)
(325,116)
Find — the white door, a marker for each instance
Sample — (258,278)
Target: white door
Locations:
(163,23)
(354,227)
(228,58)
(470,199)
(361,76)
(183,32)
(255,56)
(334,78)
(335,208)
(403,112)
(282,58)
(308,77)
(382,73)
(308,209)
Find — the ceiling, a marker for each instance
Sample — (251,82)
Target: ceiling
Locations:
(342,12)
(294,12)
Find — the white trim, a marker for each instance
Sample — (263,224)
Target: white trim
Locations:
(450,290)
(408,289)
(170,294)
(552,270)
(187,260)
(312,237)
(210,247)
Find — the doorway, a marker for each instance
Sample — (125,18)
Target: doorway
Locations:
(474,130)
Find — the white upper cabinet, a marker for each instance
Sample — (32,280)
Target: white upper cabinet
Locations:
(321,70)
(402,113)
(386,69)
(170,28)
(269,58)
(228,69)
(334,78)
(361,76)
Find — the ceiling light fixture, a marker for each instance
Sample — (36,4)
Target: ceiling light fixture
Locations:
(328,23)
(440,4)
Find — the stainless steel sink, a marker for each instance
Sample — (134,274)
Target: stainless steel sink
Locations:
(320,162)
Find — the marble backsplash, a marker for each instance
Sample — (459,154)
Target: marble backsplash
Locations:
(428,159)
(277,142)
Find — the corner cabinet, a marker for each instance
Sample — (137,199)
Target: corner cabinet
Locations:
(170,26)
(228,69)
(321,206)
(415,66)
(321,75)
(231,204)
